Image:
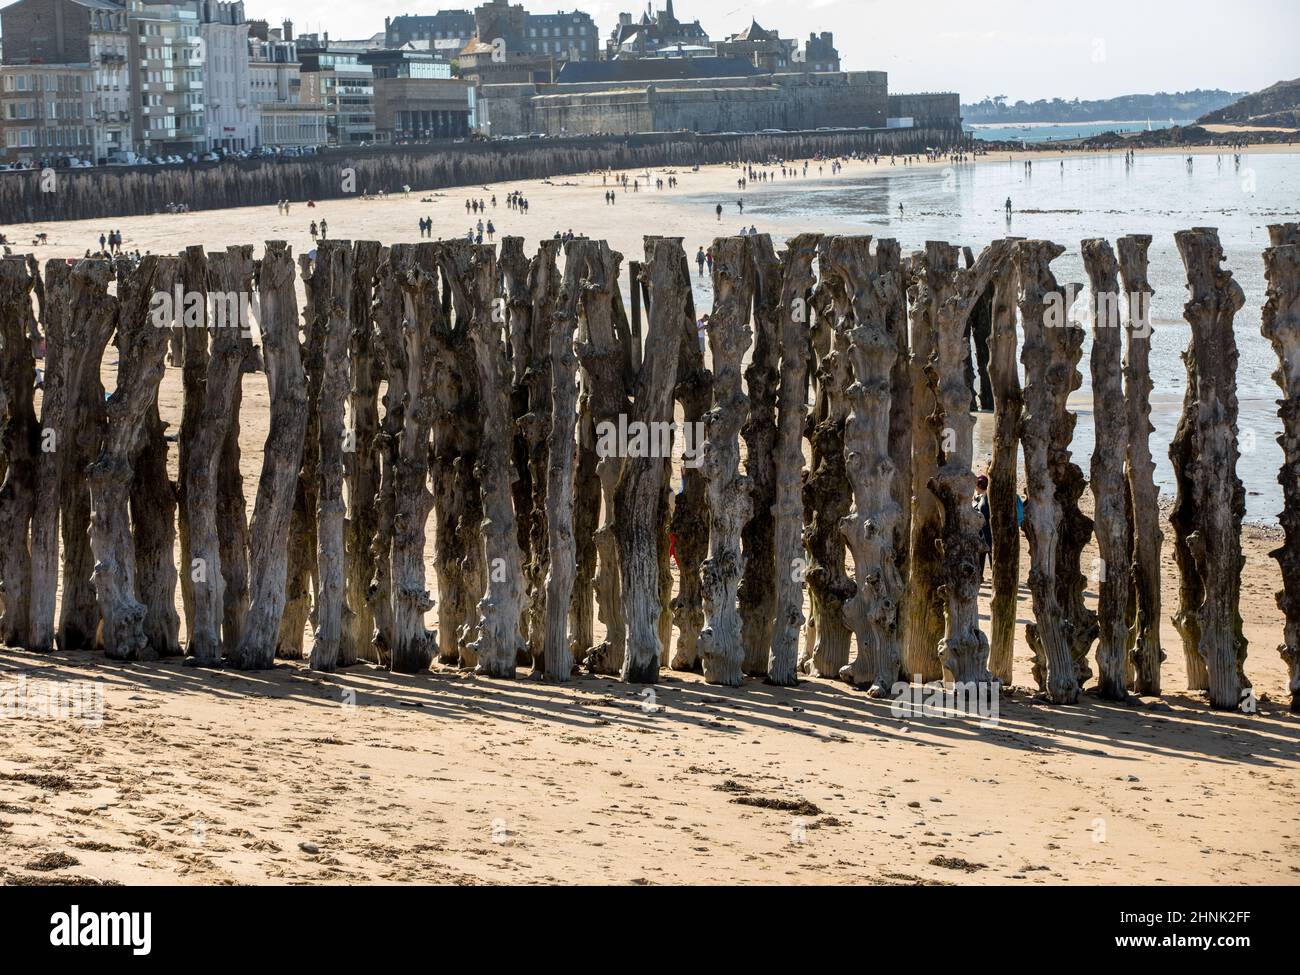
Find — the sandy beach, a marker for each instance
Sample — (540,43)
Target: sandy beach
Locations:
(292,777)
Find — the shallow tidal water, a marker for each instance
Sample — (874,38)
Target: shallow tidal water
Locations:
(1068,200)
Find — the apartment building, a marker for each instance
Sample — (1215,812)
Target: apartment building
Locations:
(57,53)
(338,80)
(230,115)
(167,70)
(282,117)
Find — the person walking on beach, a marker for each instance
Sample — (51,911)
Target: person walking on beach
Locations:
(981,504)
(1008,208)
(741,204)
(719,211)
(323,231)
(313,230)
(700,260)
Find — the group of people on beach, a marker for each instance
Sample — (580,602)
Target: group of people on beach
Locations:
(110,243)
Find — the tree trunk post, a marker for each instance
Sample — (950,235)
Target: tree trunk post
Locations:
(964,649)
(1003,493)
(143,330)
(757,593)
(329,299)
(194,377)
(19,446)
(933,272)
(722,647)
(826,494)
(281,459)
(795,351)
(361,460)
(1106,477)
(870,531)
(639,493)
(1144,497)
(605,364)
(561,450)
(689,524)
(1048,383)
(223,378)
(533,433)
(1218,497)
(1281,326)
(55,434)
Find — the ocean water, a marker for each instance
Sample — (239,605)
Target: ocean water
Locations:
(1068,200)
(1058,131)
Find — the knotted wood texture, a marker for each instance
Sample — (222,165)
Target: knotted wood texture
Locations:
(827,495)
(1049,379)
(795,348)
(362,459)
(1216,502)
(1145,536)
(606,364)
(757,591)
(281,459)
(932,274)
(1106,477)
(722,645)
(142,338)
(1003,490)
(561,451)
(503,603)
(329,301)
(19,446)
(690,510)
(638,497)
(1281,326)
(869,531)
(964,649)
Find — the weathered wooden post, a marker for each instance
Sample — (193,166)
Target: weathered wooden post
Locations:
(1109,490)
(870,531)
(301,586)
(1144,497)
(193,329)
(889,268)
(932,273)
(225,272)
(722,648)
(407,316)
(362,460)
(1003,492)
(502,605)
(826,491)
(143,332)
(55,437)
(1281,326)
(964,650)
(281,459)
(795,349)
(690,518)
(605,366)
(1049,379)
(329,300)
(561,450)
(533,430)
(19,445)
(1209,471)
(639,494)
(757,592)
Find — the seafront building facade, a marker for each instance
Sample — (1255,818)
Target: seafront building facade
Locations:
(98,79)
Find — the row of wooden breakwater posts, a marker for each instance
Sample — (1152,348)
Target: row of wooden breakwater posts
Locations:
(506,380)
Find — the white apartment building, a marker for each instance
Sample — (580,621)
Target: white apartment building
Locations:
(231,116)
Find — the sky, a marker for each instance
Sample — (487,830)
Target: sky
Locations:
(1018,48)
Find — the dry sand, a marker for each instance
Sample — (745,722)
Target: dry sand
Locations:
(215,777)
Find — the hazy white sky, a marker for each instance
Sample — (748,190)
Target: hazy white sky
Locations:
(1019,48)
